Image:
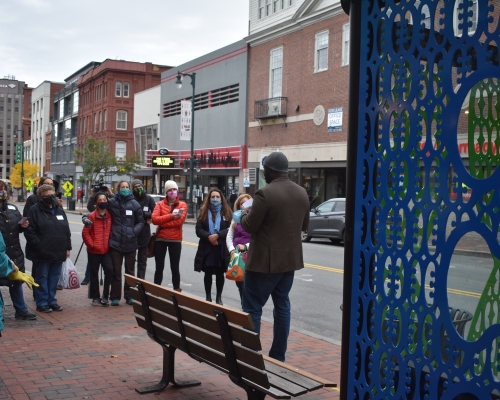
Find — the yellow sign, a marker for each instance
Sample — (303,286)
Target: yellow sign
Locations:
(29,188)
(68,187)
(162,161)
(29,183)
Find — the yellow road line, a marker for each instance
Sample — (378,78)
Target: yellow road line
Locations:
(76,223)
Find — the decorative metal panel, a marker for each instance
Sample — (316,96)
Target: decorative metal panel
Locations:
(424,306)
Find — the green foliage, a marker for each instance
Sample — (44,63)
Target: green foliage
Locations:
(95,158)
(130,164)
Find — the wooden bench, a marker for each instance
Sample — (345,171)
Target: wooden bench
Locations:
(218,336)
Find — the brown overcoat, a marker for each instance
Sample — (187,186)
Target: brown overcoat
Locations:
(280,211)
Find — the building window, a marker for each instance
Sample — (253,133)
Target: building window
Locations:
(345,44)
(126,89)
(41,104)
(105,90)
(118,90)
(100,121)
(76,101)
(121,120)
(95,122)
(460,12)
(276,72)
(321,52)
(283,4)
(268,7)
(276,5)
(261,9)
(105,119)
(120,149)
(291,2)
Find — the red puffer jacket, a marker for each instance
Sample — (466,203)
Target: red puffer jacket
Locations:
(169,228)
(96,237)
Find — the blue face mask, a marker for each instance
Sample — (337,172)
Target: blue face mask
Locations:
(215,201)
(125,192)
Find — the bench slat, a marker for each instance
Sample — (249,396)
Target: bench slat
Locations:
(324,382)
(285,385)
(207,354)
(291,376)
(245,337)
(232,316)
(272,391)
(194,333)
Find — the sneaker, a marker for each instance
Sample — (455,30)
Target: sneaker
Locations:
(26,316)
(105,302)
(56,307)
(59,287)
(115,302)
(97,302)
(130,302)
(85,282)
(45,309)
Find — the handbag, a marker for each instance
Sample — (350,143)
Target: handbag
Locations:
(236,271)
(151,244)
(70,279)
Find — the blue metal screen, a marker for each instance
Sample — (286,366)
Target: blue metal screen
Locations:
(428,146)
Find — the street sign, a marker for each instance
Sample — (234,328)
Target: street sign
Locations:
(162,161)
(29,182)
(19,152)
(68,187)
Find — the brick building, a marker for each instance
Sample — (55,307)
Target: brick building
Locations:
(298,92)
(107,102)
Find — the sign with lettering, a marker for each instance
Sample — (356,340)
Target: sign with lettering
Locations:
(335,119)
(162,162)
(185,120)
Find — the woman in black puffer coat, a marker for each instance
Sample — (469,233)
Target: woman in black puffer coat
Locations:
(10,228)
(127,224)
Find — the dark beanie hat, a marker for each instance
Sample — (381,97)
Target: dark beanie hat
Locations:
(276,161)
(135,182)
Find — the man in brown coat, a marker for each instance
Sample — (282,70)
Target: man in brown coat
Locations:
(280,211)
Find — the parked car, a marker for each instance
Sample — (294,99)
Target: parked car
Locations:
(157,197)
(327,221)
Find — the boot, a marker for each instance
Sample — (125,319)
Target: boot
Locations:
(218,300)
(209,297)
(178,290)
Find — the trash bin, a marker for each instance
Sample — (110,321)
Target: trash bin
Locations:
(71,205)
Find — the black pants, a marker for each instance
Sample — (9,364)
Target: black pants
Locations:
(95,261)
(174,250)
(116,281)
(142,261)
(220,277)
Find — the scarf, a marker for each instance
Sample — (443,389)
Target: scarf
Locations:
(214,227)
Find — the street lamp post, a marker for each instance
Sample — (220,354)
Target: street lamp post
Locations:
(21,197)
(178,82)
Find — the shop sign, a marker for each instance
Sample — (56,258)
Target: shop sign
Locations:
(335,119)
(246,177)
(185,120)
(162,162)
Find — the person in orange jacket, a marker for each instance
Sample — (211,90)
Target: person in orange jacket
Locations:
(169,215)
(96,238)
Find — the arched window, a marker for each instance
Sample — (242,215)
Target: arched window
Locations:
(118,90)
(100,121)
(126,89)
(120,149)
(105,119)
(121,119)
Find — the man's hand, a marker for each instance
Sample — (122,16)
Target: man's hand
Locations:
(109,192)
(25,224)
(213,239)
(59,202)
(149,221)
(241,247)
(87,222)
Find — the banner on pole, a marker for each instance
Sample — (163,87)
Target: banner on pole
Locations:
(186,120)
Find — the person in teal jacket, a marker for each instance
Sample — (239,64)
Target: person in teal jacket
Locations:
(6,268)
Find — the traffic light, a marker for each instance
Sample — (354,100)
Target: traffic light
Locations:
(19,152)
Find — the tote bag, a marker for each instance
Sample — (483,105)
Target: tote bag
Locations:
(236,271)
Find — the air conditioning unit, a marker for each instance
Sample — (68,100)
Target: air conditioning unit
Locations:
(274,107)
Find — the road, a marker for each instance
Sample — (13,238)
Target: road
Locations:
(317,292)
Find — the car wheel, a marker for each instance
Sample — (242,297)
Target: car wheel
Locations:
(305,237)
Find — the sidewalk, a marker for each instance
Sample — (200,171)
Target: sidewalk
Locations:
(90,352)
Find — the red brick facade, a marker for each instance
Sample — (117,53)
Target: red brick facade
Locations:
(98,99)
(301,85)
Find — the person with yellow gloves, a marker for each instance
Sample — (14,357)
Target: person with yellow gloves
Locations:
(7,267)
(11,225)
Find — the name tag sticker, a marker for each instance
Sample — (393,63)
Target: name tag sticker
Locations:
(146,208)
(11,207)
(60,217)
(128,212)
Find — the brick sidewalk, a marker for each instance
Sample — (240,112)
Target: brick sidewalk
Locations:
(90,352)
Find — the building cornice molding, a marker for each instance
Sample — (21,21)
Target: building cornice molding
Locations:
(292,25)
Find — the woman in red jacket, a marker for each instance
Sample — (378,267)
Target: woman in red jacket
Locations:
(96,238)
(169,215)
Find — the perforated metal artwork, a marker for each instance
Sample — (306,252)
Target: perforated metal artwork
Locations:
(427,180)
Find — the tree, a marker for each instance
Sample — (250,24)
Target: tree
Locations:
(130,164)
(30,171)
(95,158)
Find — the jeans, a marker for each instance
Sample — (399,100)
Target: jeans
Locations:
(174,249)
(116,281)
(17,297)
(47,276)
(95,261)
(142,261)
(257,288)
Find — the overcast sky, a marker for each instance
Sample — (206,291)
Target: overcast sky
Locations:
(51,39)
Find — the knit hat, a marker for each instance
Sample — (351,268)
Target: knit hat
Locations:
(276,161)
(170,185)
(135,182)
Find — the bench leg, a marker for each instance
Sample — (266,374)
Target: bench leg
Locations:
(254,394)
(168,374)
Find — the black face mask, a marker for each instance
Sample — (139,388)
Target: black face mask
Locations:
(50,200)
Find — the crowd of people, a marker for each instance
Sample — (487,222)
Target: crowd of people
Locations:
(117,232)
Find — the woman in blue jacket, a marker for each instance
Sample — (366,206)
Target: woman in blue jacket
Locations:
(127,224)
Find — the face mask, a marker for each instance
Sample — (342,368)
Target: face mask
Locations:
(50,200)
(103,205)
(125,192)
(215,201)
(172,194)
(3,194)
(139,191)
